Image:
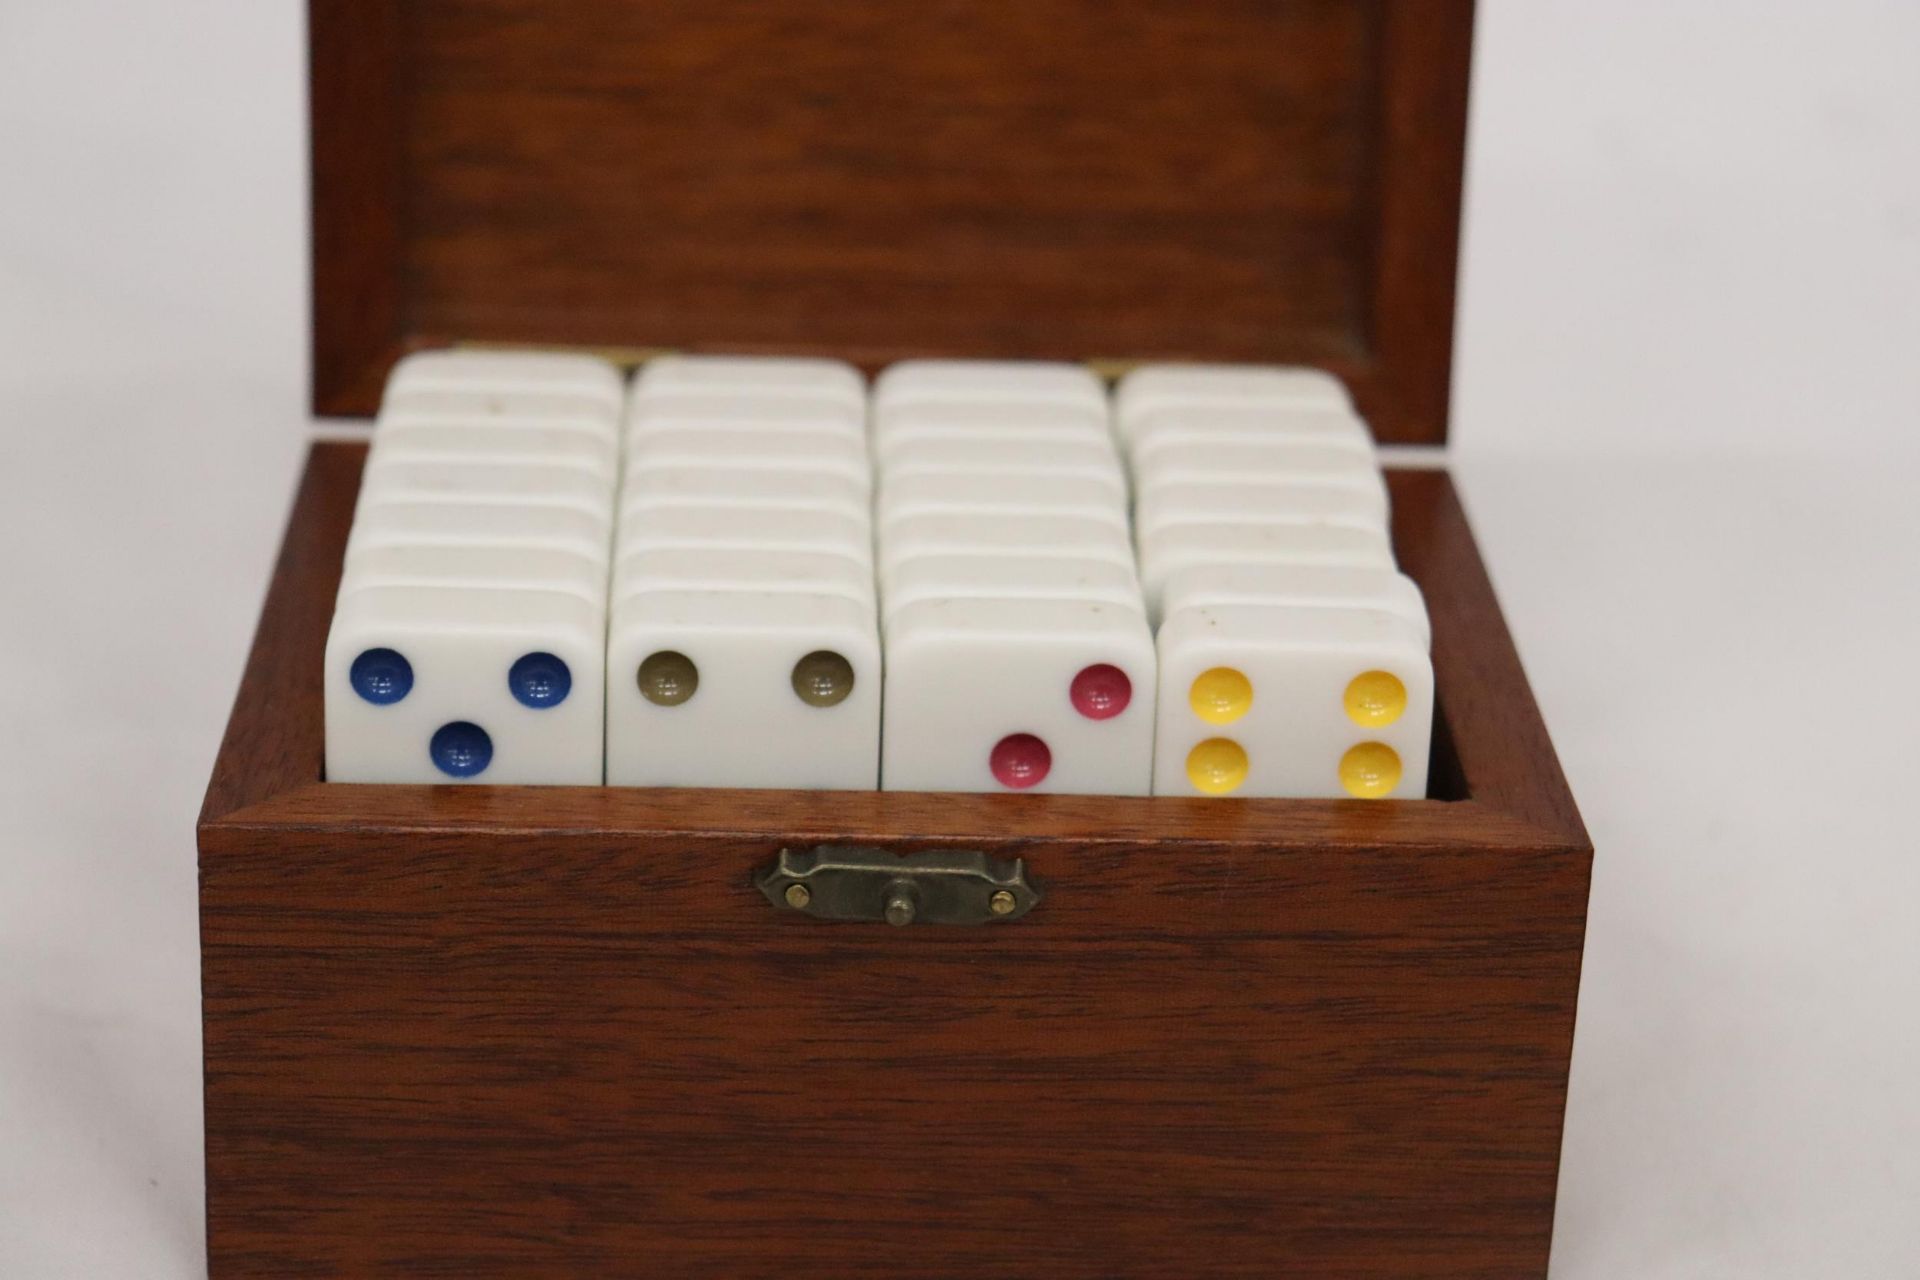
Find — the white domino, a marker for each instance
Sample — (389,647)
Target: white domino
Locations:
(735,688)
(481,524)
(896,432)
(542,484)
(1028,535)
(1185,430)
(1000,495)
(403,440)
(1278,461)
(952,577)
(468,640)
(717,414)
(1277,701)
(743,640)
(1034,694)
(711,484)
(1091,459)
(786,380)
(1172,548)
(782,451)
(465,684)
(526,568)
(535,373)
(1255,502)
(1152,388)
(988,382)
(759,570)
(746,529)
(1310,586)
(529,409)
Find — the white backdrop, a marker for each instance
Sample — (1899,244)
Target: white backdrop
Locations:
(1685,425)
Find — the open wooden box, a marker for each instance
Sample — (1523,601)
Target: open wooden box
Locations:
(516,1031)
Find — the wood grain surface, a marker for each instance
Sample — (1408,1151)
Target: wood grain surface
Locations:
(1056,178)
(480,1031)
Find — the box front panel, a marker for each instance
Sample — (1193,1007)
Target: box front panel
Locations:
(578,1054)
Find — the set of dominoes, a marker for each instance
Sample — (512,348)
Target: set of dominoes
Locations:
(1016,633)
(469,637)
(1293,655)
(743,583)
(750,572)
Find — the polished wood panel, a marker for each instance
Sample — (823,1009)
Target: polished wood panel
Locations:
(525,1054)
(357,94)
(1058,178)
(521,1031)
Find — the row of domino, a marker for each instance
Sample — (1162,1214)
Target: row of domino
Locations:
(469,636)
(743,623)
(1292,654)
(1016,633)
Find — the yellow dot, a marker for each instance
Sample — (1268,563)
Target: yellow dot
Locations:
(1220,695)
(1217,766)
(1375,699)
(1370,771)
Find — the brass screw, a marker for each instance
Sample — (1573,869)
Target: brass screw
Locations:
(1002,902)
(798,896)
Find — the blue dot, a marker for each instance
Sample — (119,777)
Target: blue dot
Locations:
(460,749)
(540,680)
(381,676)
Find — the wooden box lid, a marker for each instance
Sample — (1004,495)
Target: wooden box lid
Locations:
(1248,180)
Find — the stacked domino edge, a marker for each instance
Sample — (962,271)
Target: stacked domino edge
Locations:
(743,648)
(468,639)
(1017,646)
(1293,655)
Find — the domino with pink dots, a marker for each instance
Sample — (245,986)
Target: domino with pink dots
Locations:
(1018,652)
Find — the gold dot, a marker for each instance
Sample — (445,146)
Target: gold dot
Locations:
(668,678)
(1370,771)
(1375,699)
(1220,695)
(1217,766)
(823,678)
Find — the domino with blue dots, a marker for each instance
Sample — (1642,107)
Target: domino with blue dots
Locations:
(462,683)
(468,642)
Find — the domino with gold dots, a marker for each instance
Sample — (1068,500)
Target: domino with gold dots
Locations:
(742,642)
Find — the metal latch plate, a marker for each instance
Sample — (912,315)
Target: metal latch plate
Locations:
(931,886)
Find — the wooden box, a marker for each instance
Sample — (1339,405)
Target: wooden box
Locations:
(475,1031)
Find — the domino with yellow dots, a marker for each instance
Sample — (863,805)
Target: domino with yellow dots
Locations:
(1292,701)
(1292,654)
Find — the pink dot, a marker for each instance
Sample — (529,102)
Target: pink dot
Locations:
(1020,760)
(1101,692)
